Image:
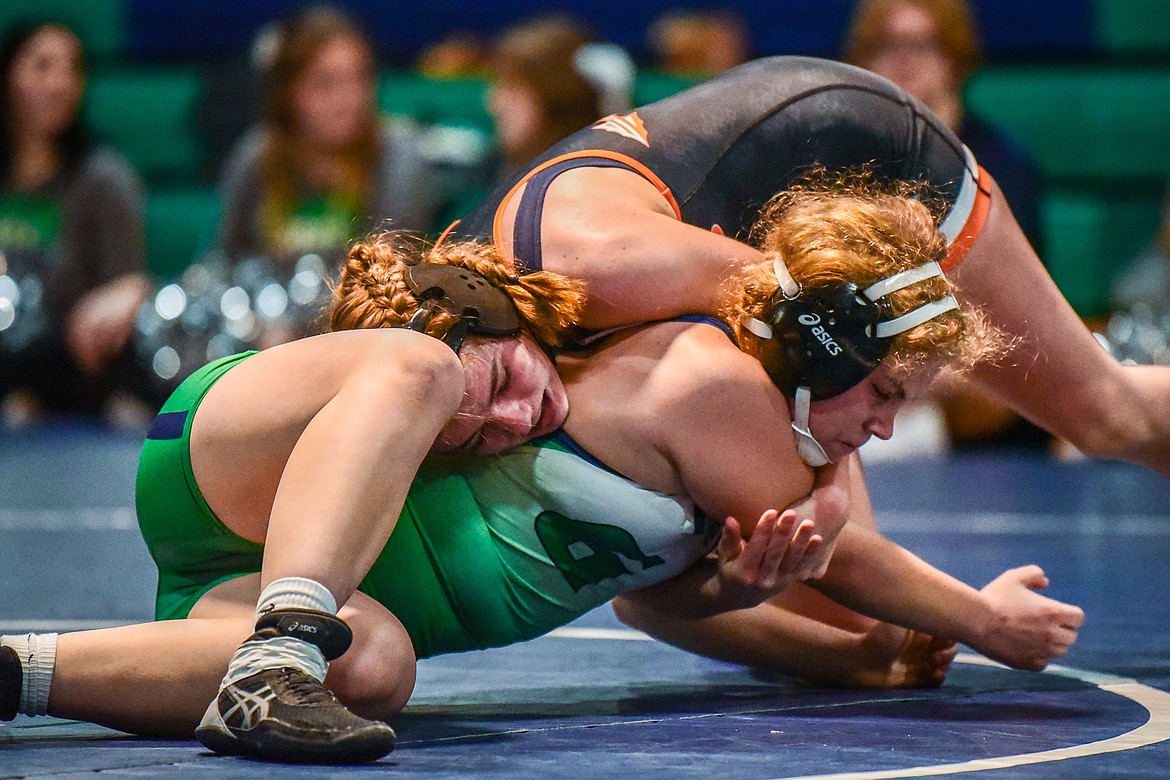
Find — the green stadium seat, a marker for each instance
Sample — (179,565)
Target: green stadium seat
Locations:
(148,115)
(1089,237)
(651,86)
(458,102)
(100,24)
(180,225)
(1083,124)
(1133,27)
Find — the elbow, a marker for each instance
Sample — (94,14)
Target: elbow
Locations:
(627,612)
(424,369)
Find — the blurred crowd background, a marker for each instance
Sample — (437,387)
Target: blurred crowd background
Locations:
(180,178)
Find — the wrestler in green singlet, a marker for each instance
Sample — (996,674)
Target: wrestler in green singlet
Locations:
(488,551)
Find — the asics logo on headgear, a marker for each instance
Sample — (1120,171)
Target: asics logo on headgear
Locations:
(823,336)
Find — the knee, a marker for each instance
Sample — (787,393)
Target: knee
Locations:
(376,676)
(1113,433)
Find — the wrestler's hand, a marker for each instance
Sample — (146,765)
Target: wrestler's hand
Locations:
(890,656)
(1028,630)
(782,549)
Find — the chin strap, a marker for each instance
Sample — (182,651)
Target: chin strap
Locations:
(807,447)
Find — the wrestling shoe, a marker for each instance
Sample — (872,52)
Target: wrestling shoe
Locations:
(11,679)
(286,715)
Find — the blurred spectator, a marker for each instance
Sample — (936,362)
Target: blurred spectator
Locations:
(321,168)
(71,234)
(460,55)
(930,48)
(548,81)
(698,44)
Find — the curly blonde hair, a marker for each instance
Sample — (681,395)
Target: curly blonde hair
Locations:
(372,290)
(848,228)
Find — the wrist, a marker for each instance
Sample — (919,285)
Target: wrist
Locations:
(984,622)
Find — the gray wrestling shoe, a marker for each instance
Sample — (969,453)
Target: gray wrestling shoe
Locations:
(286,715)
(11,679)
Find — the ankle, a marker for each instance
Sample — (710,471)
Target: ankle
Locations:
(37,654)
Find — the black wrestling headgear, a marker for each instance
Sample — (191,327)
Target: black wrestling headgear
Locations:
(818,343)
(482,309)
(830,338)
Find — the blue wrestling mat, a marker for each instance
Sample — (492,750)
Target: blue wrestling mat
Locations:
(595,700)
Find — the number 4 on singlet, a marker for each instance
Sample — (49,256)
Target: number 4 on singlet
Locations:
(588,553)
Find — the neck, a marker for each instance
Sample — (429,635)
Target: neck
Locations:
(35,161)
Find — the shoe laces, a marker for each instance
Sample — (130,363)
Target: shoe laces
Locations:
(306,689)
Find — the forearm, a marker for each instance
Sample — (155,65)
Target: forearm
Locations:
(692,595)
(880,579)
(763,637)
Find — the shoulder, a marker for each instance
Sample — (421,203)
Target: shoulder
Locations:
(724,425)
(700,358)
(703,385)
(103,182)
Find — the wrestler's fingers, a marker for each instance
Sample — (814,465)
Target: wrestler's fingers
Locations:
(789,541)
(731,542)
(1073,617)
(754,551)
(801,539)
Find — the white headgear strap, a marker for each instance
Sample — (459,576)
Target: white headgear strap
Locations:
(911,319)
(807,447)
(789,286)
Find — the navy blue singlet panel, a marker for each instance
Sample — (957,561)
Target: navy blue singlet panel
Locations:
(526,246)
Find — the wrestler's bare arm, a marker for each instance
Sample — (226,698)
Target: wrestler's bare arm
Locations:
(346,419)
(1007,620)
(640,262)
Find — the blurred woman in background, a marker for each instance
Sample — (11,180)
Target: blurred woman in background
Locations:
(71,236)
(549,81)
(322,168)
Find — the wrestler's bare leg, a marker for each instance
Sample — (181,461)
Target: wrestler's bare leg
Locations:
(156,678)
(1059,377)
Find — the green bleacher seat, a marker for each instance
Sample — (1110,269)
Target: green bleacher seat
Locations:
(651,85)
(147,113)
(1089,237)
(100,24)
(1133,27)
(427,101)
(180,225)
(1098,124)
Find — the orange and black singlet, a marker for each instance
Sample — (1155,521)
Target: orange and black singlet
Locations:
(720,150)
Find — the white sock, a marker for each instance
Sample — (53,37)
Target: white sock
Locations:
(257,655)
(254,656)
(38,658)
(296,593)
